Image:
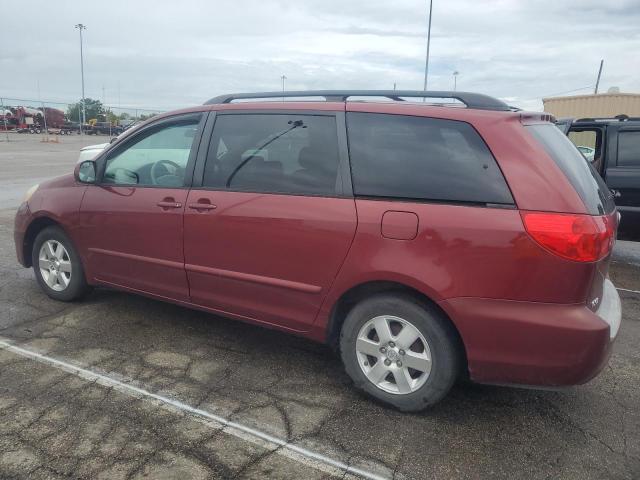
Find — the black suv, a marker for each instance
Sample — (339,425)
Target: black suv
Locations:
(105,128)
(612,145)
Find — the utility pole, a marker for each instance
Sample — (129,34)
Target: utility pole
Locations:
(426,63)
(44,115)
(598,79)
(81,27)
(455,80)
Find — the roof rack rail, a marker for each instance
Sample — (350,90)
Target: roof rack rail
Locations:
(619,118)
(471,100)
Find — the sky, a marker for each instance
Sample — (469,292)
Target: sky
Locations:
(164,55)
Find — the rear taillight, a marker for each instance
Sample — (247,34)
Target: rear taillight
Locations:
(582,238)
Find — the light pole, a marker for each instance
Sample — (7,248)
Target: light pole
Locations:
(81,27)
(455,80)
(4,117)
(283,78)
(426,63)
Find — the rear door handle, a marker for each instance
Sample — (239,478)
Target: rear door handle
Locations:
(169,204)
(202,206)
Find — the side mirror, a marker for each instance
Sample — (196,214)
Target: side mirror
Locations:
(85,172)
(113,139)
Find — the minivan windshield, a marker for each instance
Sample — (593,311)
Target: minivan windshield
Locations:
(585,180)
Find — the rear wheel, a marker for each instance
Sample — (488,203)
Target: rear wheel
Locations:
(57,265)
(401,352)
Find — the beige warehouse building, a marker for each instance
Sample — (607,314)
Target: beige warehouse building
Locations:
(596,105)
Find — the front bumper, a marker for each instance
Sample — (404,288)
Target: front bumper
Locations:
(20,225)
(537,344)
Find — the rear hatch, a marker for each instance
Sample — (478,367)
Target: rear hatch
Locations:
(576,237)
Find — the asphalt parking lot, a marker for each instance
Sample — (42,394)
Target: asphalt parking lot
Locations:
(27,159)
(120,386)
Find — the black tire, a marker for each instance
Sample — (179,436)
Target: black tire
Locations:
(77,286)
(444,345)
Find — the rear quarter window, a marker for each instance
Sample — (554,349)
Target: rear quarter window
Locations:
(585,180)
(398,156)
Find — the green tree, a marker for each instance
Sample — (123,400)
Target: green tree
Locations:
(92,108)
(112,117)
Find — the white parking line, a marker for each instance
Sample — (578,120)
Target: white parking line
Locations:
(295,452)
(627,290)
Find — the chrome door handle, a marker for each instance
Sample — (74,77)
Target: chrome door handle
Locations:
(202,206)
(166,204)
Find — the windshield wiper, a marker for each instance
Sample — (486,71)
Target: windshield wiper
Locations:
(294,124)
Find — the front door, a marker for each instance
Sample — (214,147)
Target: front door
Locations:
(131,222)
(623,178)
(269,228)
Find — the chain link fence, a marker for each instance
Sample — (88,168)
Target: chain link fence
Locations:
(42,116)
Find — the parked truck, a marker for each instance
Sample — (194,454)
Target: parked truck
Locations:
(612,146)
(32,120)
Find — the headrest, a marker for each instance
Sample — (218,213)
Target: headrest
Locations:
(312,158)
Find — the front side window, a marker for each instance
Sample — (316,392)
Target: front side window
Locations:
(273,153)
(629,149)
(158,156)
(399,156)
(589,143)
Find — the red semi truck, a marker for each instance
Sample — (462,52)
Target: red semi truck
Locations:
(28,119)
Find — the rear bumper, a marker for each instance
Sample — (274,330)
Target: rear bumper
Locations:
(539,344)
(610,310)
(20,224)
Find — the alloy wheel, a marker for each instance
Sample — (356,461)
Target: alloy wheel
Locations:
(393,354)
(55,265)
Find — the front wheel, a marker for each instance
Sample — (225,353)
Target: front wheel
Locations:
(57,265)
(400,351)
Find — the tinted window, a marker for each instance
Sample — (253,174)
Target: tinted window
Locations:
(585,180)
(422,158)
(157,156)
(273,153)
(629,149)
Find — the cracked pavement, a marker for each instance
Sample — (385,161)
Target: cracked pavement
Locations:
(56,424)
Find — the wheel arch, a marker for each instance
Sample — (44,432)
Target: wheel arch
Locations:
(35,227)
(357,293)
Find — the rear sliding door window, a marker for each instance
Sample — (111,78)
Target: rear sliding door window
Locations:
(397,156)
(585,180)
(273,153)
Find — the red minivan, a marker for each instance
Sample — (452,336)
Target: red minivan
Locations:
(424,241)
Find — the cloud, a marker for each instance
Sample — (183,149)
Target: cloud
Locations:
(165,55)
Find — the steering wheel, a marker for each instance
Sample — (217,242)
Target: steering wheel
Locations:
(163,171)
